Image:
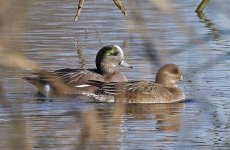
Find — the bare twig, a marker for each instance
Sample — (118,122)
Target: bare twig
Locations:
(202,6)
(120,6)
(117,3)
(79,9)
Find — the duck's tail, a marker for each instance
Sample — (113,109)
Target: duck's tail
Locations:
(42,85)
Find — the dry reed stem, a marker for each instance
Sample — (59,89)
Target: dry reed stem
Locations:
(168,7)
(120,6)
(80,55)
(202,5)
(17,61)
(90,130)
(118,3)
(80,7)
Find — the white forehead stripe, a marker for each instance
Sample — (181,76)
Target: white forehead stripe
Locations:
(119,49)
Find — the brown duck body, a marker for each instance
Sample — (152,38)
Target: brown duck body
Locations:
(145,92)
(163,90)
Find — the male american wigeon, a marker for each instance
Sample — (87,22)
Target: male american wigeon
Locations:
(74,81)
(163,90)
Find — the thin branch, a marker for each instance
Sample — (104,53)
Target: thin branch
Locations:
(202,6)
(79,9)
(120,6)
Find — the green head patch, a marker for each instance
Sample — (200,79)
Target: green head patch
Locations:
(111,52)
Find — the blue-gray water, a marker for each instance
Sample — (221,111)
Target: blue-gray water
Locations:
(149,37)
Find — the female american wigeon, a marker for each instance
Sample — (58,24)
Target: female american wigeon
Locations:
(74,81)
(163,90)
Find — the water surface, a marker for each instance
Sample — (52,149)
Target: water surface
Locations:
(149,37)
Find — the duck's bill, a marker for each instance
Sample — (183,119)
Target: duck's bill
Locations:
(181,77)
(188,81)
(125,64)
(184,80)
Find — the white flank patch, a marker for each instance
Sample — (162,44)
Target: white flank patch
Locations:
(84,85)
(47,88)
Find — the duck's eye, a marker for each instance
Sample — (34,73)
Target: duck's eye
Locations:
(175,71)
(112,52)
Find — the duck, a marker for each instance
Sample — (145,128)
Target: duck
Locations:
(163,90)
(69,81)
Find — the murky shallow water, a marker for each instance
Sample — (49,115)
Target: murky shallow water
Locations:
(61,123)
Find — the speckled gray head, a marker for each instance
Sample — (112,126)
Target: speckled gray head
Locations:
(109,57)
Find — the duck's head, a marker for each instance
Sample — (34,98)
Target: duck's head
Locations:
(109,57)
(168,75)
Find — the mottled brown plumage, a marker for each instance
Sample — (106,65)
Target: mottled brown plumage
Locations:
(163,90)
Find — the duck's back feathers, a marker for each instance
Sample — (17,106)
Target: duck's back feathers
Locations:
(139,92)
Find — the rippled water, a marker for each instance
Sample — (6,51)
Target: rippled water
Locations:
(149,38)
